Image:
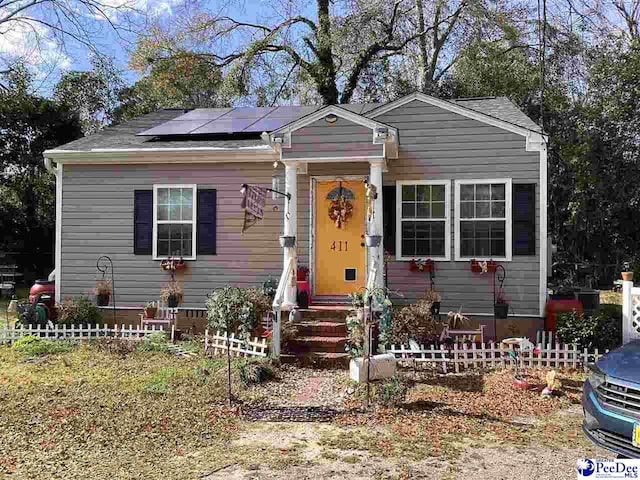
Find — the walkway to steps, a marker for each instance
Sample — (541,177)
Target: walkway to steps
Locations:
(322,333)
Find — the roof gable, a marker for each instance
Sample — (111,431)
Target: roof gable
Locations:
(456,107)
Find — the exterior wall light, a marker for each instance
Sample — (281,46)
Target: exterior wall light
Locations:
(331,118)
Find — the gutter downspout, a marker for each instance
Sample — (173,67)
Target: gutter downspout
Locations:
(57,171)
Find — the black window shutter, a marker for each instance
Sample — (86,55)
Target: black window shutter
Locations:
(206,229)
(389,218)
(142,222)
(524,219)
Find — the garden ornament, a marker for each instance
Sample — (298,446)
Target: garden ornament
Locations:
(548,390)
(483,266)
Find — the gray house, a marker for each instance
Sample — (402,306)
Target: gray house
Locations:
(454,188)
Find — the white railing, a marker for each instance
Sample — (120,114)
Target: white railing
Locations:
(76,332)
(630,312)
(466,357)
(371,280)
(216,344)
(287,277)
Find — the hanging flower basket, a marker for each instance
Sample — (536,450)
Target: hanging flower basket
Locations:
(420,265)
(483,266)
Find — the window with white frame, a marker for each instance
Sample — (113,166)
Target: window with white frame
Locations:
(422,220)
(483,219)
(174,221)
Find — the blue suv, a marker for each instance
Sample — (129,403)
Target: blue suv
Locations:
(611,401)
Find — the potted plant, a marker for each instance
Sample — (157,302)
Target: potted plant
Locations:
(150,309)
(287,241)
(172,265)
(357,302)
(302,273)
(103,292)
(373,240)
(501,307)
(172,294)
(627,276)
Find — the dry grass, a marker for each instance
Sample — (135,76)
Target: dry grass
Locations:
(90,414)
(611,297)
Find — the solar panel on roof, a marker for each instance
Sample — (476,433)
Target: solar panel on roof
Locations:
(267,125)
(224,125)
(174,127)
(207,114)
(249,112)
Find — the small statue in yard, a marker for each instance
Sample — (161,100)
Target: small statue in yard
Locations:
(548,390)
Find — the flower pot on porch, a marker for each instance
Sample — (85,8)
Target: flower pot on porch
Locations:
(287,241)
(627,276)
(373,240)
(501,310)
(150,312)
(172,301)
(102,300)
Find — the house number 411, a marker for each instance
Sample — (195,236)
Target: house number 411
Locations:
(337,246)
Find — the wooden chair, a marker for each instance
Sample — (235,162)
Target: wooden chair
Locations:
(166,317)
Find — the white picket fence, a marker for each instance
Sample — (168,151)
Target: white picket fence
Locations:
(76,332)
(466,357)
(216,344)
(630,312)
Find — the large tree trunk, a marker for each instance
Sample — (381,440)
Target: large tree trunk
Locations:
(325,71)
(423,59)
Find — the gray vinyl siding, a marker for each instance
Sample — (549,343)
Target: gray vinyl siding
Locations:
(439,145)
(97,219)
(341,139)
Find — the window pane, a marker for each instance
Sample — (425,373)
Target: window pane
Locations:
(163,248)
(408,192)
(466,248)
(466,210)
(498,248)
(163,212)
(437,193)
(437,210)
(422,248)
(423,193)
(497,229)
(408,210)
(497,191)
(187,204)
(175,199)
(408,230)
(423,211)
(466,192)
(163,195)
(482,247)
(482,192)
(437,248)
(408,248)
(497,209)
(483,209)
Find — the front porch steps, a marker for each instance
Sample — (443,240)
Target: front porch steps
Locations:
(322,333)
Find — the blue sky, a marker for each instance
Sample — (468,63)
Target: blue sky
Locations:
(48,60)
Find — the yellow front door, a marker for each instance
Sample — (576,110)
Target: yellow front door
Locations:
(340,208)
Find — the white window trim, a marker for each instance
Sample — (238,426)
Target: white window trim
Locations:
(447,218)
(193,221)
(508,223)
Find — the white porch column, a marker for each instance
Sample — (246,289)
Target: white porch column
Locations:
(290,230)
(376,254)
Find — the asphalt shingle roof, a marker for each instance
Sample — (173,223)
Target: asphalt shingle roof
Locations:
(123,136)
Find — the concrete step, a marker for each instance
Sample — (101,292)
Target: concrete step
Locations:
(321,328)
(317,344)
(323,314)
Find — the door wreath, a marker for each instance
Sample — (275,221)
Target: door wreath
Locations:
(340,209)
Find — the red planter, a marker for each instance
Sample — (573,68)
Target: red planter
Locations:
(302,274)
(428,266)
(476,266)
(178,265)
